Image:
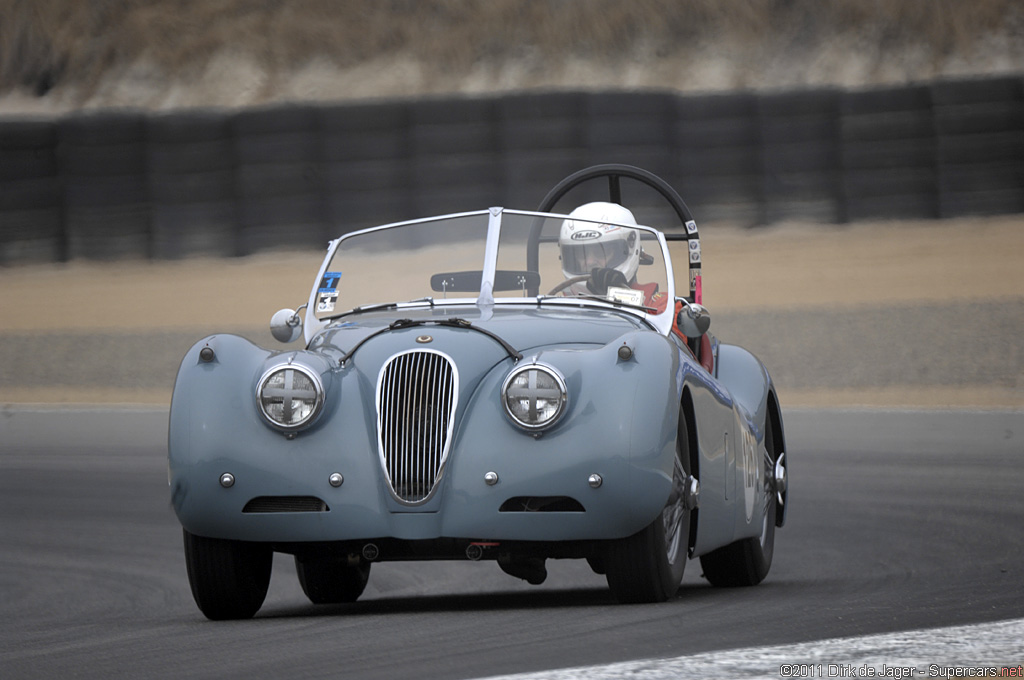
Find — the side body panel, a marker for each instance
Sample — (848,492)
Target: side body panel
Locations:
(748,381)
(714,431)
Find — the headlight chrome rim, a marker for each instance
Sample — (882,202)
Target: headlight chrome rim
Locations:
(289,394)
(533,394)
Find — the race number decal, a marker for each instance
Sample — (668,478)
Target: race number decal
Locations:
(327,293)
(329,281)
(326,300)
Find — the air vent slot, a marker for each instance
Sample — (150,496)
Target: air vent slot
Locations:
(286,504)
(541,504)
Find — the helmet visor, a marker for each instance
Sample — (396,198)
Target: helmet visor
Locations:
(582,258)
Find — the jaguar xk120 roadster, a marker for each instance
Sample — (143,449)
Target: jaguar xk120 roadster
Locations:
(498,385)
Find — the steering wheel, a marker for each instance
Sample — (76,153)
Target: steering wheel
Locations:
(613,172)
(568,282)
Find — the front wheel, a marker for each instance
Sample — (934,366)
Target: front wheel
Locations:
(229,579)
(648,566)
(332,581)
(747,561)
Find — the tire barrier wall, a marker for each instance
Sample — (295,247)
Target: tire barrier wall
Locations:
(132,184)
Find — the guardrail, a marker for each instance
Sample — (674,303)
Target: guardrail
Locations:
(128,183)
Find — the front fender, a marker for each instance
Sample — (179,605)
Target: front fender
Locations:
(214,424)
(620,424)
(747,380)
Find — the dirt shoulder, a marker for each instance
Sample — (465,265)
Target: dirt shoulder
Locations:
(810,269)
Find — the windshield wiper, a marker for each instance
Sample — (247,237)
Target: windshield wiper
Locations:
(451,323)
(598,298)
(379,307)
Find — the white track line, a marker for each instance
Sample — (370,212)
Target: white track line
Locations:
(927,653)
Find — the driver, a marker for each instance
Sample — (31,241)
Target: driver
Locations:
(600,254)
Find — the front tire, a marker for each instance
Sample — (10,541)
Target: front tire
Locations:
(332,581)
(648,566)
(229,579)
(747,561)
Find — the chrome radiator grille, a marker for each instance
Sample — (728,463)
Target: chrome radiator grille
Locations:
(416,396)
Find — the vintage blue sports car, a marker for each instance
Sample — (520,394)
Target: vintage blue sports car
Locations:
(494,385)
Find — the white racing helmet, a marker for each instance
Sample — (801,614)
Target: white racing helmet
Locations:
(600,242)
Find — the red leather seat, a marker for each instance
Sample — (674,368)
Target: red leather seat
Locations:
(705,355)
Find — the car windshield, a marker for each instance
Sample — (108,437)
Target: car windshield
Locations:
(537,256)
(397,263)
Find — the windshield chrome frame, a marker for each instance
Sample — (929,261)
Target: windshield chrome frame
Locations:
(661,322)
(490,257)
(313,325)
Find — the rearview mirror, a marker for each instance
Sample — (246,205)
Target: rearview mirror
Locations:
(693,319)
(285,325)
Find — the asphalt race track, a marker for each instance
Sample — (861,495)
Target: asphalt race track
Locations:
(898,521)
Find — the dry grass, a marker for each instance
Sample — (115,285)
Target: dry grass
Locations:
(73,48)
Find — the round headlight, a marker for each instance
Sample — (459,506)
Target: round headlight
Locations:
(290,397)
(534,396)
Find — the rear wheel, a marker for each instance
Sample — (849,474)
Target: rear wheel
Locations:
(332,581)
(648,566)
(746,562)
(229,579)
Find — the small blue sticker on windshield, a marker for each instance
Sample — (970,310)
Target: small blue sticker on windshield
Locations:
(329,282)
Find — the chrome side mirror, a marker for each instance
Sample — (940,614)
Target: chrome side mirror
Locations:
(286,325)
(693,319)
